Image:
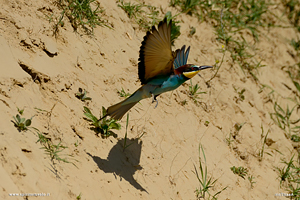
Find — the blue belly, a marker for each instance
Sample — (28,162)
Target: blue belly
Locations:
(155,87)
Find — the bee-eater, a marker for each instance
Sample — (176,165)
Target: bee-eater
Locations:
(160,70)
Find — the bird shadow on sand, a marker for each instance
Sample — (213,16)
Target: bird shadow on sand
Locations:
(122,163)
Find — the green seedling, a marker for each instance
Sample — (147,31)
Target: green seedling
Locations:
(229,140)
(76,144)
(192,31)
(206,123)
(186,6)
(295,138)
(79,196)
(240,171)
(183,103)
(237,128)
(282,118)
(144,15)
(286,173)
(205,182)
(147,16)
(131,9)
(153,17)
(293,12)
(240,93)
(52,150)
(294,191)
(193,91)
(22,124)
(295,78)
(122,93)
(251,180)
(81,13)
(20,111)
(289,174)
(174,3)
(295,44)
(103,126)
(261,152)
(233,19)
(82,95)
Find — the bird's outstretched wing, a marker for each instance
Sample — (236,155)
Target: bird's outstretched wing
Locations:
(156,57)
(181,57)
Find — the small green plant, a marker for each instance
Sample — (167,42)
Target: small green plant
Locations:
(229,140)
(295,138)
(206,123)
(261,152)
(21,124)
(286,172)
(183,103)
(282,118)
(251,180)
(294,191)
(289,174)
(233,18)
(241,96)
(240,171)
(76,144)
(81,13)
(79,196)
(295,44)
(103,126)
(20,111)
(174,3)
(144,15)
(237,127)
(131,9)
(293,12)
(205,182)
(82,95)
(193,91)
(192,31)
(52,150)
(122,93)
(189,7)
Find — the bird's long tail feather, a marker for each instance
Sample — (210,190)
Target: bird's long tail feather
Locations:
(118,110)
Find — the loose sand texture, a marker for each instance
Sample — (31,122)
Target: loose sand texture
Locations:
(41,72)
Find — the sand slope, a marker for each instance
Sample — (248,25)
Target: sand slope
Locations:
(38,70)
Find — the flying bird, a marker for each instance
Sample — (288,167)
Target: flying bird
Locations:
(160,69)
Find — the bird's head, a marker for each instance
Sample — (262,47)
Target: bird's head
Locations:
(191,70)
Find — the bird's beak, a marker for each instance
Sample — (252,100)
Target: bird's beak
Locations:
(204,67)
(193,73)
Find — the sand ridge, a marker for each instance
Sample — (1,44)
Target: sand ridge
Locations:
(40,71)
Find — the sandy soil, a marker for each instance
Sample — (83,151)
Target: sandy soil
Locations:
(38,70)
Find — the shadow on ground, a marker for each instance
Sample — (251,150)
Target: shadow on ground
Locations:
(122,163)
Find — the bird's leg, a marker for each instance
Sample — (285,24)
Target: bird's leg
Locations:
(154,99)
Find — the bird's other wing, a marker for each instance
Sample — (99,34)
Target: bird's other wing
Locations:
(156,57)
(181,57)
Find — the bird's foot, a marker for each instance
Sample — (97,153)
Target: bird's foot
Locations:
(154,99)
